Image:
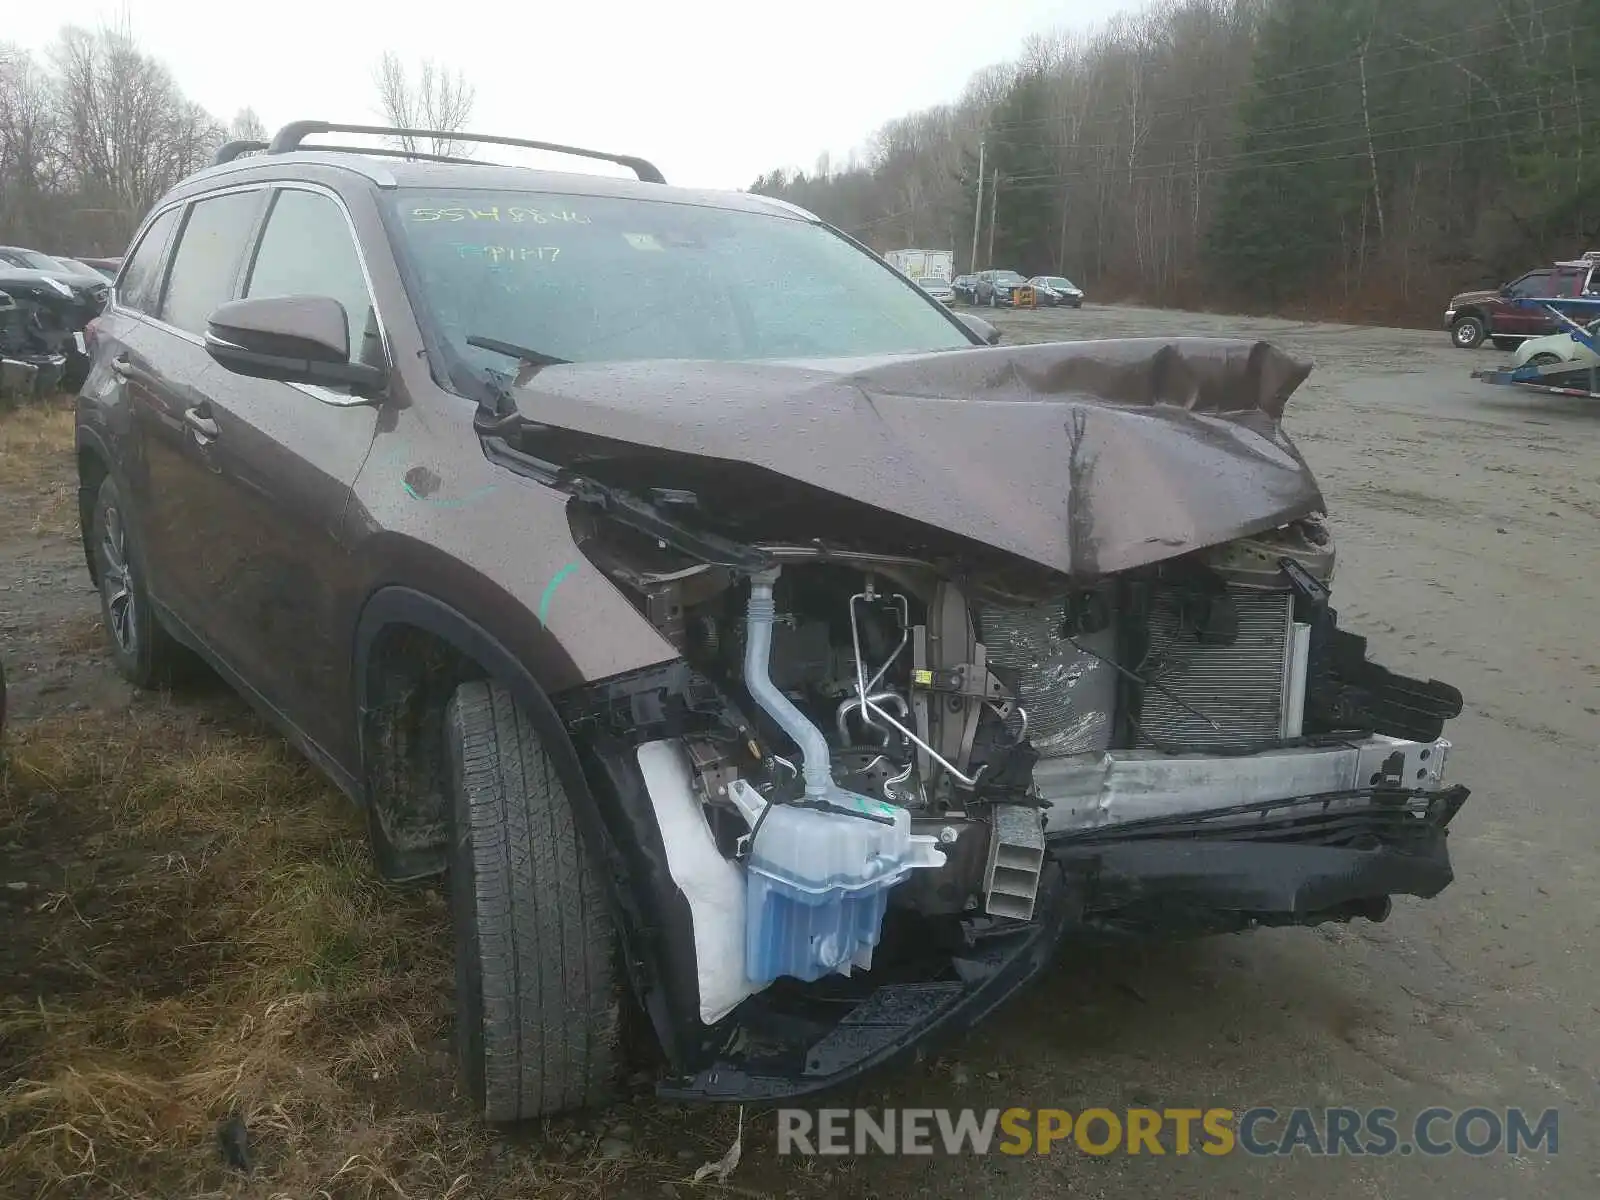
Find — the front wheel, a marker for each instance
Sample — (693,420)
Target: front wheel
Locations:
(1468,332)
(538,1008)
(1544,359)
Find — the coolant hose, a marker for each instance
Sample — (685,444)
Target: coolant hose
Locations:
(815,765)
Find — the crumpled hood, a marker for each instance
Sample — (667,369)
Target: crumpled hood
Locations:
(1483,296)
(1083,457)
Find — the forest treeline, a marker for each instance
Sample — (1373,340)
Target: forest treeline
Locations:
(1354,157)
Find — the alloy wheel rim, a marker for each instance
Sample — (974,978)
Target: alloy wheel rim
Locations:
(116,582)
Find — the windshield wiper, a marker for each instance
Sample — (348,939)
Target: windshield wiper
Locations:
(512,350)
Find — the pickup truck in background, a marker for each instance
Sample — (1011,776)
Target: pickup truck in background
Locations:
(1474,316)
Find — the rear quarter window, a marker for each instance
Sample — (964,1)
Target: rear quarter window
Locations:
(139,286)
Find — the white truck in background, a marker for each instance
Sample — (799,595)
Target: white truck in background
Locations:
(918,265)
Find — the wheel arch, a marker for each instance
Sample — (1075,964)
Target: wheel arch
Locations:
(407,798)
(412,650)
(94,464)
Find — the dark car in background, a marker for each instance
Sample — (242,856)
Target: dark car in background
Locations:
(965,288)
(1057,291)
(1492,314)
(39,315)
(106,268)
(78,274)
(997,288)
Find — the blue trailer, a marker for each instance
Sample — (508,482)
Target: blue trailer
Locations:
(1563,378)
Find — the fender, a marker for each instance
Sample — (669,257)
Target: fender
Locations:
(649,923)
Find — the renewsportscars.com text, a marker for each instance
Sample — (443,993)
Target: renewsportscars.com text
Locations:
(1256,1131)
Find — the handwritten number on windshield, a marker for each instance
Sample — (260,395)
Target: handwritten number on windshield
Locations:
(514,214)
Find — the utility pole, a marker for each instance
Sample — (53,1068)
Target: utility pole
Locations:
(994,203)
(977,213)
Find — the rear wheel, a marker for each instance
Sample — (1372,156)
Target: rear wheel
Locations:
(537,1002)
(1544,359)
(1468,332)
(145,653)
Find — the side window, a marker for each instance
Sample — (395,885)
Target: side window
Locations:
(206,263)
(140,282)
(1535,283)
(307,250)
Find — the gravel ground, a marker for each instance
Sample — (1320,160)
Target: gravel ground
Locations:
(1468,520)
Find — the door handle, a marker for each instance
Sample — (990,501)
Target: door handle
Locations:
(197,420)
(121,367)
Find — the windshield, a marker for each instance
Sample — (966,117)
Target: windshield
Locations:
(1057,281)
(1008,277)
(608,278)
(31,258)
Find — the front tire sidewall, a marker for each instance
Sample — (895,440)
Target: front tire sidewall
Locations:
(1468,333)
(557,988)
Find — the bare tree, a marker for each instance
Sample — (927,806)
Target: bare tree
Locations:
(127,132)
(247,126)
(436,98)
(29,166)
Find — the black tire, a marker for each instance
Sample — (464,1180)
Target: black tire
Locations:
(1468,332)
(538,1009)
(1507,343)
(146,655)
(1544,359)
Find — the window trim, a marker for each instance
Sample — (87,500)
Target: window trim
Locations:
(187,203)
(251,237)
(253,248)
(116,301)
(300,185)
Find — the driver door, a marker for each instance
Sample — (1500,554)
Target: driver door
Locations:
(283,458)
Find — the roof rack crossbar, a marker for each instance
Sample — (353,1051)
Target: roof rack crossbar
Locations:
(229,151)
(291,135)
(393,152)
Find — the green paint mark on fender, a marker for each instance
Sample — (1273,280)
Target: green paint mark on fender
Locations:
(550,590)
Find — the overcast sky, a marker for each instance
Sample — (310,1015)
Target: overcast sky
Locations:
(714,91)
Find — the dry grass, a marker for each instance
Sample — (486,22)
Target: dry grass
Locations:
(36,449)
(193,931)
(203,936)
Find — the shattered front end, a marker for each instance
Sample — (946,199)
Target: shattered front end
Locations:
(878,788)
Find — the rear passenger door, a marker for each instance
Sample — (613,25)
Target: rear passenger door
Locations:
(282,459)
(168,374)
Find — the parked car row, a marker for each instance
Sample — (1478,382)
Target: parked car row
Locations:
(1002,289)
(45,302)
(1493,315)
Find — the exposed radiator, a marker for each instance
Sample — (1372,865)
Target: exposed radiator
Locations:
(1069,695)
(1217,695)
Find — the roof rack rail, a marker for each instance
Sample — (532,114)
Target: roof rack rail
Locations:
(397,152)
(291,135)
(229,151)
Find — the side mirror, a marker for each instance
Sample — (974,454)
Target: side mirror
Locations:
(986,331)
(1505,289)
(294,339)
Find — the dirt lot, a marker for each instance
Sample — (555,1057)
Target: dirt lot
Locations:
(192,930)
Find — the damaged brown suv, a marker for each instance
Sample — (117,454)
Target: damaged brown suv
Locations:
(751,640)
